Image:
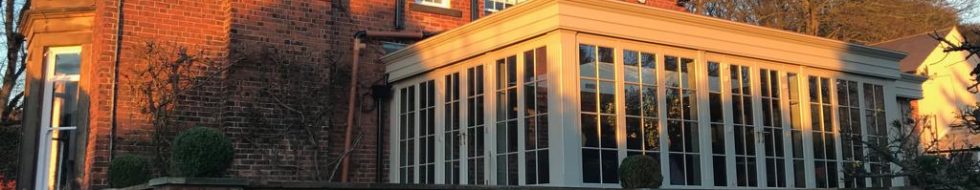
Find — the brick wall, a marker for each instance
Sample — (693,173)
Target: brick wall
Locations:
(199,25)
(303,47)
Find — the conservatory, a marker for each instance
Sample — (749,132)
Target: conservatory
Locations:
(559,92)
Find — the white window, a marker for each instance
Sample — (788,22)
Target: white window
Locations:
(453,129)
(493,6)
(507,122)
(877,132)
(59,118)
(536,116)
(438,3)
(824,149)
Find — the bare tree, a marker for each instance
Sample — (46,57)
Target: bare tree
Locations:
(925,164)
(10,100)
(858,21)
(165,76)
(13,65)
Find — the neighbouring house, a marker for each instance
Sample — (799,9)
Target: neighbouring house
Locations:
(84,56)
(558,92)
(947,91)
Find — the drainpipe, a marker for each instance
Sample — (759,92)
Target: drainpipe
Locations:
(381,93)
(399,14)
(352,96)
(115,79)
(474,10)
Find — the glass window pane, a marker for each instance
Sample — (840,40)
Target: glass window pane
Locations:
(651,135)
(649,104)
(634,136)
(630,58)
(714,82)
(716,107)
(687,70)
(590,162)
(529,72)
(541,62)
(587,61)
(675,136)
(649,72)
(511,71)
(608,131)
(65,104)
(607,95)
(543,168)
(590,131)
(610,165)
(676,169)
(542,97)
(588,95)
(672,71)
(67,64)
(718,139)
(632,95)
(720,169)
(606,68)
(631,69)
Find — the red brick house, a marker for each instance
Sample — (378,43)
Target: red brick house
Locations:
(83,54)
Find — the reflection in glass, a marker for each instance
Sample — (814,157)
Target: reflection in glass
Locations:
(682,131)
(453,130)
(598,119)
(823,135)
(535,117)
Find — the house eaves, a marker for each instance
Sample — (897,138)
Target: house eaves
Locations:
(640,23)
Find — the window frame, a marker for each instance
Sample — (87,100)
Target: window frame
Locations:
(567,143)
(488,63)
(487,10)
(618,45)
(754,67)
(442,3)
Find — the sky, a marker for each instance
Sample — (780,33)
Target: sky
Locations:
(975,19)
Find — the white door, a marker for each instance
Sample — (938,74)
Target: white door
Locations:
(59,118)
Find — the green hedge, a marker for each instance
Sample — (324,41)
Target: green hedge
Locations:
(9,152)
(640,171)
(201,152)
(128,170)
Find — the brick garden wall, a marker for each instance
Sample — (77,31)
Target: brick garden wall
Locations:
(288,55)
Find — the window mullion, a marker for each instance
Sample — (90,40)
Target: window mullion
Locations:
(726,99)
(807,122)
(700,72)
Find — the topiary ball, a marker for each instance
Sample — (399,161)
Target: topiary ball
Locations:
(201,152)
(640,171)
(128,170)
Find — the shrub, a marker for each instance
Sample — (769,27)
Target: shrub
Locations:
(640,171)
(201,152)
(128,170)
(9,153)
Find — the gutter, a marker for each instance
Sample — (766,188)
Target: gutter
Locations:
(352,96)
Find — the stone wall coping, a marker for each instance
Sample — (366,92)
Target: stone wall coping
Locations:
(224,182)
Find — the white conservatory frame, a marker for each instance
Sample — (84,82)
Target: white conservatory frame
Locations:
(562,25)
